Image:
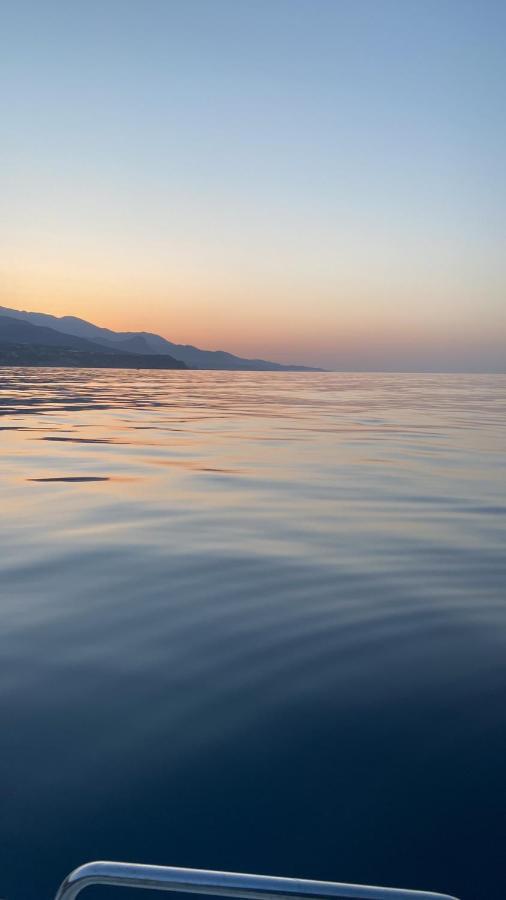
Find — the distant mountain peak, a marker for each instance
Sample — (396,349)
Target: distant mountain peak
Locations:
(148,343)
(23,343)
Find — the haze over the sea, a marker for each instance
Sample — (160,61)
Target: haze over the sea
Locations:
(305,180)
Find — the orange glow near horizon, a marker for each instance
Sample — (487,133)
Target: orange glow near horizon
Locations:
(299,317)
(267,330)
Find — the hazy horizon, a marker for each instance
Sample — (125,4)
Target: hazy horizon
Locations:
(310,182)
(351,360)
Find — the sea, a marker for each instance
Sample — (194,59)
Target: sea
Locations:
(253,622)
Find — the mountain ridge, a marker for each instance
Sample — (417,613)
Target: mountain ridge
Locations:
(25,344)
(149,343)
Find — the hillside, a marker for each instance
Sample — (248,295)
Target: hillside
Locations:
(25,344)
(145,342)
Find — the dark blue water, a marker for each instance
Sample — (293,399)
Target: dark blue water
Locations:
(253,622)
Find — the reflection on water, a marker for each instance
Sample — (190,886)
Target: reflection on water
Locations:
(253,621)
(79,478)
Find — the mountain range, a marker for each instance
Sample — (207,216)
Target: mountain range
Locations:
(75,339)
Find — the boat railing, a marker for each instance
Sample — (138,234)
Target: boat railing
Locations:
(225,884)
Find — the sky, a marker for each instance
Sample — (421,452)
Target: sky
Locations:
(314,181)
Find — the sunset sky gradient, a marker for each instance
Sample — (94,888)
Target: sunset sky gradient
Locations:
(320,181)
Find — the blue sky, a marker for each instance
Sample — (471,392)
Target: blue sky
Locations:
(320,181)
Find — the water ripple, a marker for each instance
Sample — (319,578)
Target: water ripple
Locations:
(254,621)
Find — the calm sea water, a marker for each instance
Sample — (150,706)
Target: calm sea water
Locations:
(253,622)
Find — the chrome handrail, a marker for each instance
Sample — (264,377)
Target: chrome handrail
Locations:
(225,884)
